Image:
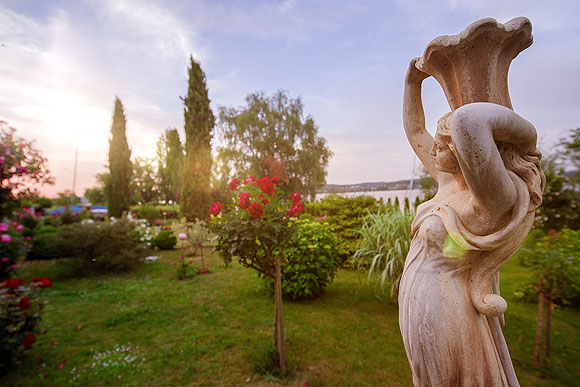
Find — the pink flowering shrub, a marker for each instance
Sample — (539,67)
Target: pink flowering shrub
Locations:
(12,246)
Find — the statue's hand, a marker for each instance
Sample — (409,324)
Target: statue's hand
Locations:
(414,75)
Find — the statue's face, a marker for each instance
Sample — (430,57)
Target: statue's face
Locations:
(445,159)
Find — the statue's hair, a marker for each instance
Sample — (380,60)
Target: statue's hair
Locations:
(527,167)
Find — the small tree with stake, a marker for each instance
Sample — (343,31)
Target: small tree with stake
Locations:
(555,264)
(255,226)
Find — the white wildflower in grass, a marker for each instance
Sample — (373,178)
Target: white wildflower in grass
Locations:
(121,360)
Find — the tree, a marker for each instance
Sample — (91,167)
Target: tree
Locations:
(271,136)
(561,199)
(555,264)
(144,183)
(256,226)
(21,168)
(117,189)
(170,160)
(199,123)
(95,195)
(66,198)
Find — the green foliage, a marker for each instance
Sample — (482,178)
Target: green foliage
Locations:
(253,240)
(46,229)
(199,123)
(66,198)
(345,217)
(148,212)
(101,248)
(21,167)
(117,186)
(560,202)
(21,308)
(165,240)
(12,248)
(143,185)
(386,238)
(312,262)
(555,264)
(95,195)
(271,136)
(44,246)
(68,217)
(197,233)
(170,159)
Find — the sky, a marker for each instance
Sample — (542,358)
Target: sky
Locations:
(62,62)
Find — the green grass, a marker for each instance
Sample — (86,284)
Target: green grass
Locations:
(148,329)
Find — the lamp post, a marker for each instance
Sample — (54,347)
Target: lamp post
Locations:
(182,237)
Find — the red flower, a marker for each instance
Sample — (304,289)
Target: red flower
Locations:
(296,208)
(13,283)
(41,282)
(244,199)
(234,184)
(295,198)
(265,183)
(256,210)
(249,180)
(28,340)
(23,303)
(215,208)
(275,180)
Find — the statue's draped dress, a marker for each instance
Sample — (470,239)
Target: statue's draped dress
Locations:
(448,342)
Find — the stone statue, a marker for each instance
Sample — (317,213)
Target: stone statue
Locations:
(485,160)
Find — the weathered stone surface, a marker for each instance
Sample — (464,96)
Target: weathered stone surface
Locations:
(485,160)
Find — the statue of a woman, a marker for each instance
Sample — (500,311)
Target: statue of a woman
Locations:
(485,160)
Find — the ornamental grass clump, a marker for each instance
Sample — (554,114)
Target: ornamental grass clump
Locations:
(256,225)
(386,238)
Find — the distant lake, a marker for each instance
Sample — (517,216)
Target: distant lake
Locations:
(385,195)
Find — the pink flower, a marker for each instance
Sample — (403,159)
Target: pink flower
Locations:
(20,227)
(28,238)
(6,238)
(3,227)
(4,259)
(21,169)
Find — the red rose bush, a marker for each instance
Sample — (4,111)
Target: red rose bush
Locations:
(255,225)
(21,308)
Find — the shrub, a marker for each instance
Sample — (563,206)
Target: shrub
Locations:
(47,230)
(165,240)
(312,262)
(386,238)
(101,248)
(149,212)
(345,217)
(44,246)
(12,246)
(68,217)
(21,308)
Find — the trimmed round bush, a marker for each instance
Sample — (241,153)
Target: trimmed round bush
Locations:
(165,240)
(313,259)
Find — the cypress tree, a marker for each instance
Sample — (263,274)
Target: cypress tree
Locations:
(199,123)
(117,188)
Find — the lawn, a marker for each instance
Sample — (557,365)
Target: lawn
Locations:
(148,329)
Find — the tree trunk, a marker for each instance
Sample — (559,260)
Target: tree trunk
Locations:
(548,326)
(280,314)
(539,327)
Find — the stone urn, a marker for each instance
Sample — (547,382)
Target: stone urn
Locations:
(473,65)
